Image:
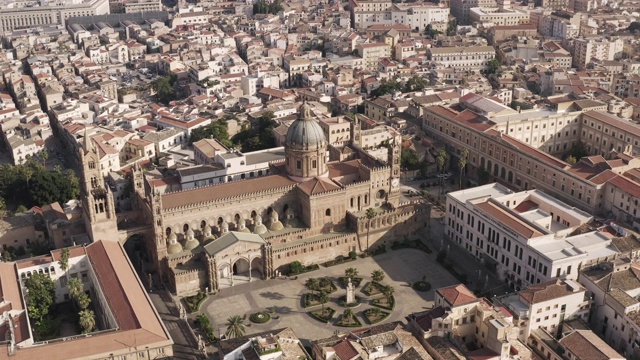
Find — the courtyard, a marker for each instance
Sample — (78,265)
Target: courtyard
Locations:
(283,296)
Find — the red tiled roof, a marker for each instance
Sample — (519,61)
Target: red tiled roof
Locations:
(529,150)
(344,350)
(546,291)
(317,186)
(627,185)
(457,295)
(509,220)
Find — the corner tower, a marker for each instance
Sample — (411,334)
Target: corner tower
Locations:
(98,208)
(305,147)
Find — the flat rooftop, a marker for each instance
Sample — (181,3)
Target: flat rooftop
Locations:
(490,190)
(259,157)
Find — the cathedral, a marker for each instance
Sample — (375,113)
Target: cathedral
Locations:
(309,208)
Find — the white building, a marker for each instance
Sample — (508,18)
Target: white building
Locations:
(529,236)
(547,305)
(467,57)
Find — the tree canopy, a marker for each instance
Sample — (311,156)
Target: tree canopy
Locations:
(163,87)
(387,86)
(634,26)
(416,83)
(41,295)
(216,130)
(33,185)
(578,151)
(493,66)
(265,7)
(409,160)
(259,136)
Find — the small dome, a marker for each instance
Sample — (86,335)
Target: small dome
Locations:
(173,237)
(189,234)
(257,220)
(174,248)
(206,230)
(191,244)
(224,225)
(305,133)
(242,222)
(260,229)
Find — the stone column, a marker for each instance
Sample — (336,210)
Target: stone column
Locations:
(249,269)
(231,271)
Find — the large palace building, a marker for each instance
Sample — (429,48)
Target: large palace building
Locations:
(308,208)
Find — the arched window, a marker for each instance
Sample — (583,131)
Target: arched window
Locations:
(327,212)
(168,231)
(185,228)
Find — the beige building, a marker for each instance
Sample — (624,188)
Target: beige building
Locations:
(463,58)
(20,16)
(19,231)
(136,6)
(322,202)
(372,52)
(336,129)
(123,310)
(497,16)
(587,49)
(461,9)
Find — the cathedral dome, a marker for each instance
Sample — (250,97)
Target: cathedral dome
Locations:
(305,133)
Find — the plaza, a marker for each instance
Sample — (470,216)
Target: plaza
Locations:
(400,267)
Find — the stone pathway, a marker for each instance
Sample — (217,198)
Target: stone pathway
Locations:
(400,266)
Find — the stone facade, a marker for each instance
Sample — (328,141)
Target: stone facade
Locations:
(220,235)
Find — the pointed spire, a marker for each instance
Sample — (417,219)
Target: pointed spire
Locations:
(87,143)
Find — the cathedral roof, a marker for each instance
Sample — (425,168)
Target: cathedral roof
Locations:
(317,186)
(226,190)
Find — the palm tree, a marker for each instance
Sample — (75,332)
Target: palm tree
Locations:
(441,160)
(377,276)
(370,214)
(388,292)
(374,311)
(83,301)
(44,155)
(87,320)
(462,163)
(235,326)
(75,288)
(347,315)
(351,272)
(323,298)
(312,284)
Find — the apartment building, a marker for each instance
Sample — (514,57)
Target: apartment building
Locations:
(529,237)
(458,313)
(576,343)
(136,6)
(462,58)
(336,129)
(497,16)
(371,53)
(22,15)
(614,287)
(415,16)
(586,49)
(461,9)
(546,306)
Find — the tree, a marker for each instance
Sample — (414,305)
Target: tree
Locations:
(41,295)
(163,87)
(388,291)
(440,161)
(264,7)
(409,159)
(377,275)
(3,207)
(351,272)
(87,321)
(64,260)
(312,284)
(83,301)
(347,314)
(235,326)
(416,83)
(259,136)
(296,267)
(75,288)
(44,155)
(634,26)
(216,130)
(493,66)
(430,32)
(323,298)
(374,311)
(387,86)
(462,163)
(370,214)
(571,160)
(578,150)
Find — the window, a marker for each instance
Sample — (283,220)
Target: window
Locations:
(314,164)
(327,212)
(298,164)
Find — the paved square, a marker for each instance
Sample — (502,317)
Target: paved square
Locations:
(400,266)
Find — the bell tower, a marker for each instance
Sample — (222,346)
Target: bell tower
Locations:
(356,133)
(394,151)
(98,207)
